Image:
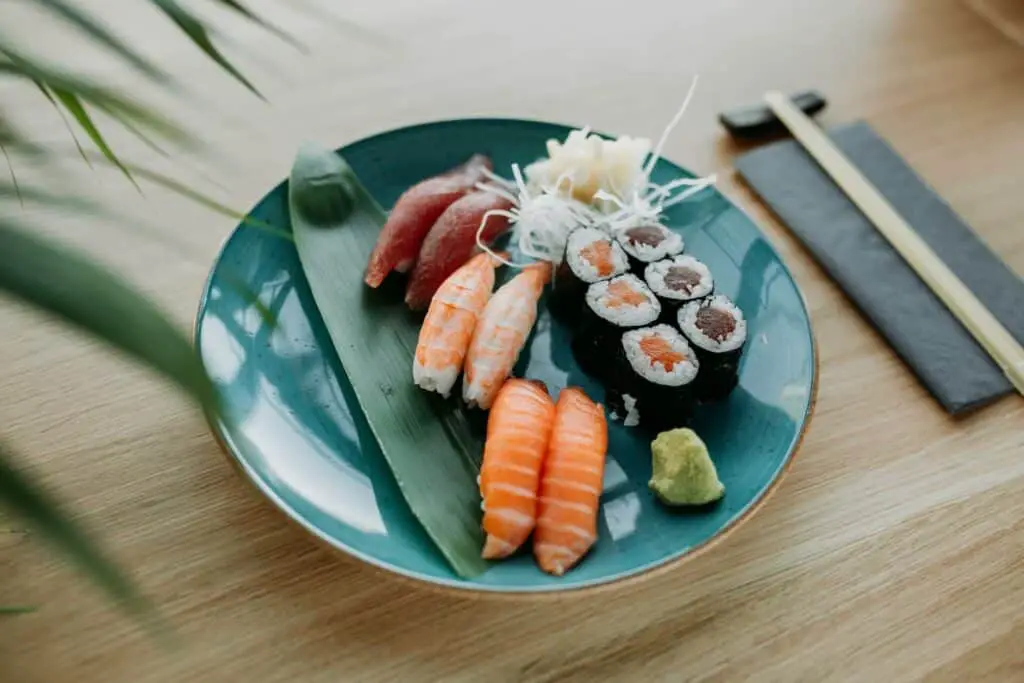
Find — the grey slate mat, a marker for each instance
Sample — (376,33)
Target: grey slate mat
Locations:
(932,342)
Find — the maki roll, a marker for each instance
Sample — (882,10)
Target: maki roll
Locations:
(676,281)
(718,331)
(610,308)
(658,369)
(648,243)
(590,256)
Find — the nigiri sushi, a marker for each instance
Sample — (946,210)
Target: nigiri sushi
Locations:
(449,324)
(415,213)
(501,333)
(571,483)
(452,240)
(518,430)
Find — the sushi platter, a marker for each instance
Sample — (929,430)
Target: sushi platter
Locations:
(556,361)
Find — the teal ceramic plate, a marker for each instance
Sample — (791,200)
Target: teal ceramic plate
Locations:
(294,429)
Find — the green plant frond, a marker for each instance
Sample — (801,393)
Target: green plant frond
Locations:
(72,288)
(200,35)
(261,22)
(67,124)
(106,100)
(90,26)
(14,176)
(35,195)
(38,508)
(74,107)
(11,610)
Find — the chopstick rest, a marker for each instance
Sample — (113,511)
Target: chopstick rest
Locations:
(920,328)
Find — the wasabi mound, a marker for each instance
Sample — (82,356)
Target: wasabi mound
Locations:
(682,471)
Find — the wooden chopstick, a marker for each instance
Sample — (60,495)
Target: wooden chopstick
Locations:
(978,320)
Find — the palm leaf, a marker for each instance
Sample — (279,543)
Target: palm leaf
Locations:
(19,66)
(14,176)
(74,289)
(200,35)
(86,23)
(67,124)
(241,9)
(16,609)
(19,494)
(74,107)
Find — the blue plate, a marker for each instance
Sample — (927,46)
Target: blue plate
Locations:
(293,428)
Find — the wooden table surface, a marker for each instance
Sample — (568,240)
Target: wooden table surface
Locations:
(894,549)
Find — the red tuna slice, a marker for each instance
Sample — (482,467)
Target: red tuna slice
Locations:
(414,213)
(452,242)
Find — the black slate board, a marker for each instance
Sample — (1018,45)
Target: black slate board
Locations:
(940,351)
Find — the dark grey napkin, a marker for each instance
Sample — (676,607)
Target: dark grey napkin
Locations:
(943,354)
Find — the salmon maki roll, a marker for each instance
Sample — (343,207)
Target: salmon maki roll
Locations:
(518,430)
(449,325)
(571,483)
(501,334)
(452,240)
(415,213)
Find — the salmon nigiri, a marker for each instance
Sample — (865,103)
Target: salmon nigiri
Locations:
(415,213)
(501,333)
(518,430)
(449,324)
(571,483)
(452,240)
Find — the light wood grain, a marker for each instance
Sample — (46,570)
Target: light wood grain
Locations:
(894,550)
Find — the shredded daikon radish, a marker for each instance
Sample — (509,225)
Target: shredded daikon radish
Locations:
(587,180)
(542,218)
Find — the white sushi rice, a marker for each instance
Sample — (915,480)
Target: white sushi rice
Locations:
(432,379)
(656,273)
(670,245)
(632,414)
(624,316)
(688,324)
(582,238)
(655,372)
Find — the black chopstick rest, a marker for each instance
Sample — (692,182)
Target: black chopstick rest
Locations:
(759,122)
(915,322)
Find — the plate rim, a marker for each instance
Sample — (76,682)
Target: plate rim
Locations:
(623,579)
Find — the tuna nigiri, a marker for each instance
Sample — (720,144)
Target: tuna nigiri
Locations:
(518,430)
(571,483)
(449,324)
(413,215)
(501,333)
(452,240)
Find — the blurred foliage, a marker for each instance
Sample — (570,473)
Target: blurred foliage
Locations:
(69,286)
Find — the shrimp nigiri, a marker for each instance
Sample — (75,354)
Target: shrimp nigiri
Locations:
(449,324)
(571,483)
(415,213)
(518,430)
(501,333)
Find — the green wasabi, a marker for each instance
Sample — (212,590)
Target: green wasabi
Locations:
(682,471)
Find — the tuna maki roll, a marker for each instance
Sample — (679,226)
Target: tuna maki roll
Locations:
(676,281)
(590,256)
(610,308)
(658,368)
(718,332)
(648,243)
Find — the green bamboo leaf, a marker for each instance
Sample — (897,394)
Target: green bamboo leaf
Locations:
(74,107)
(81,293)
(86,23)
(261,22)
(200,35)
(36,506)
(336,224)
